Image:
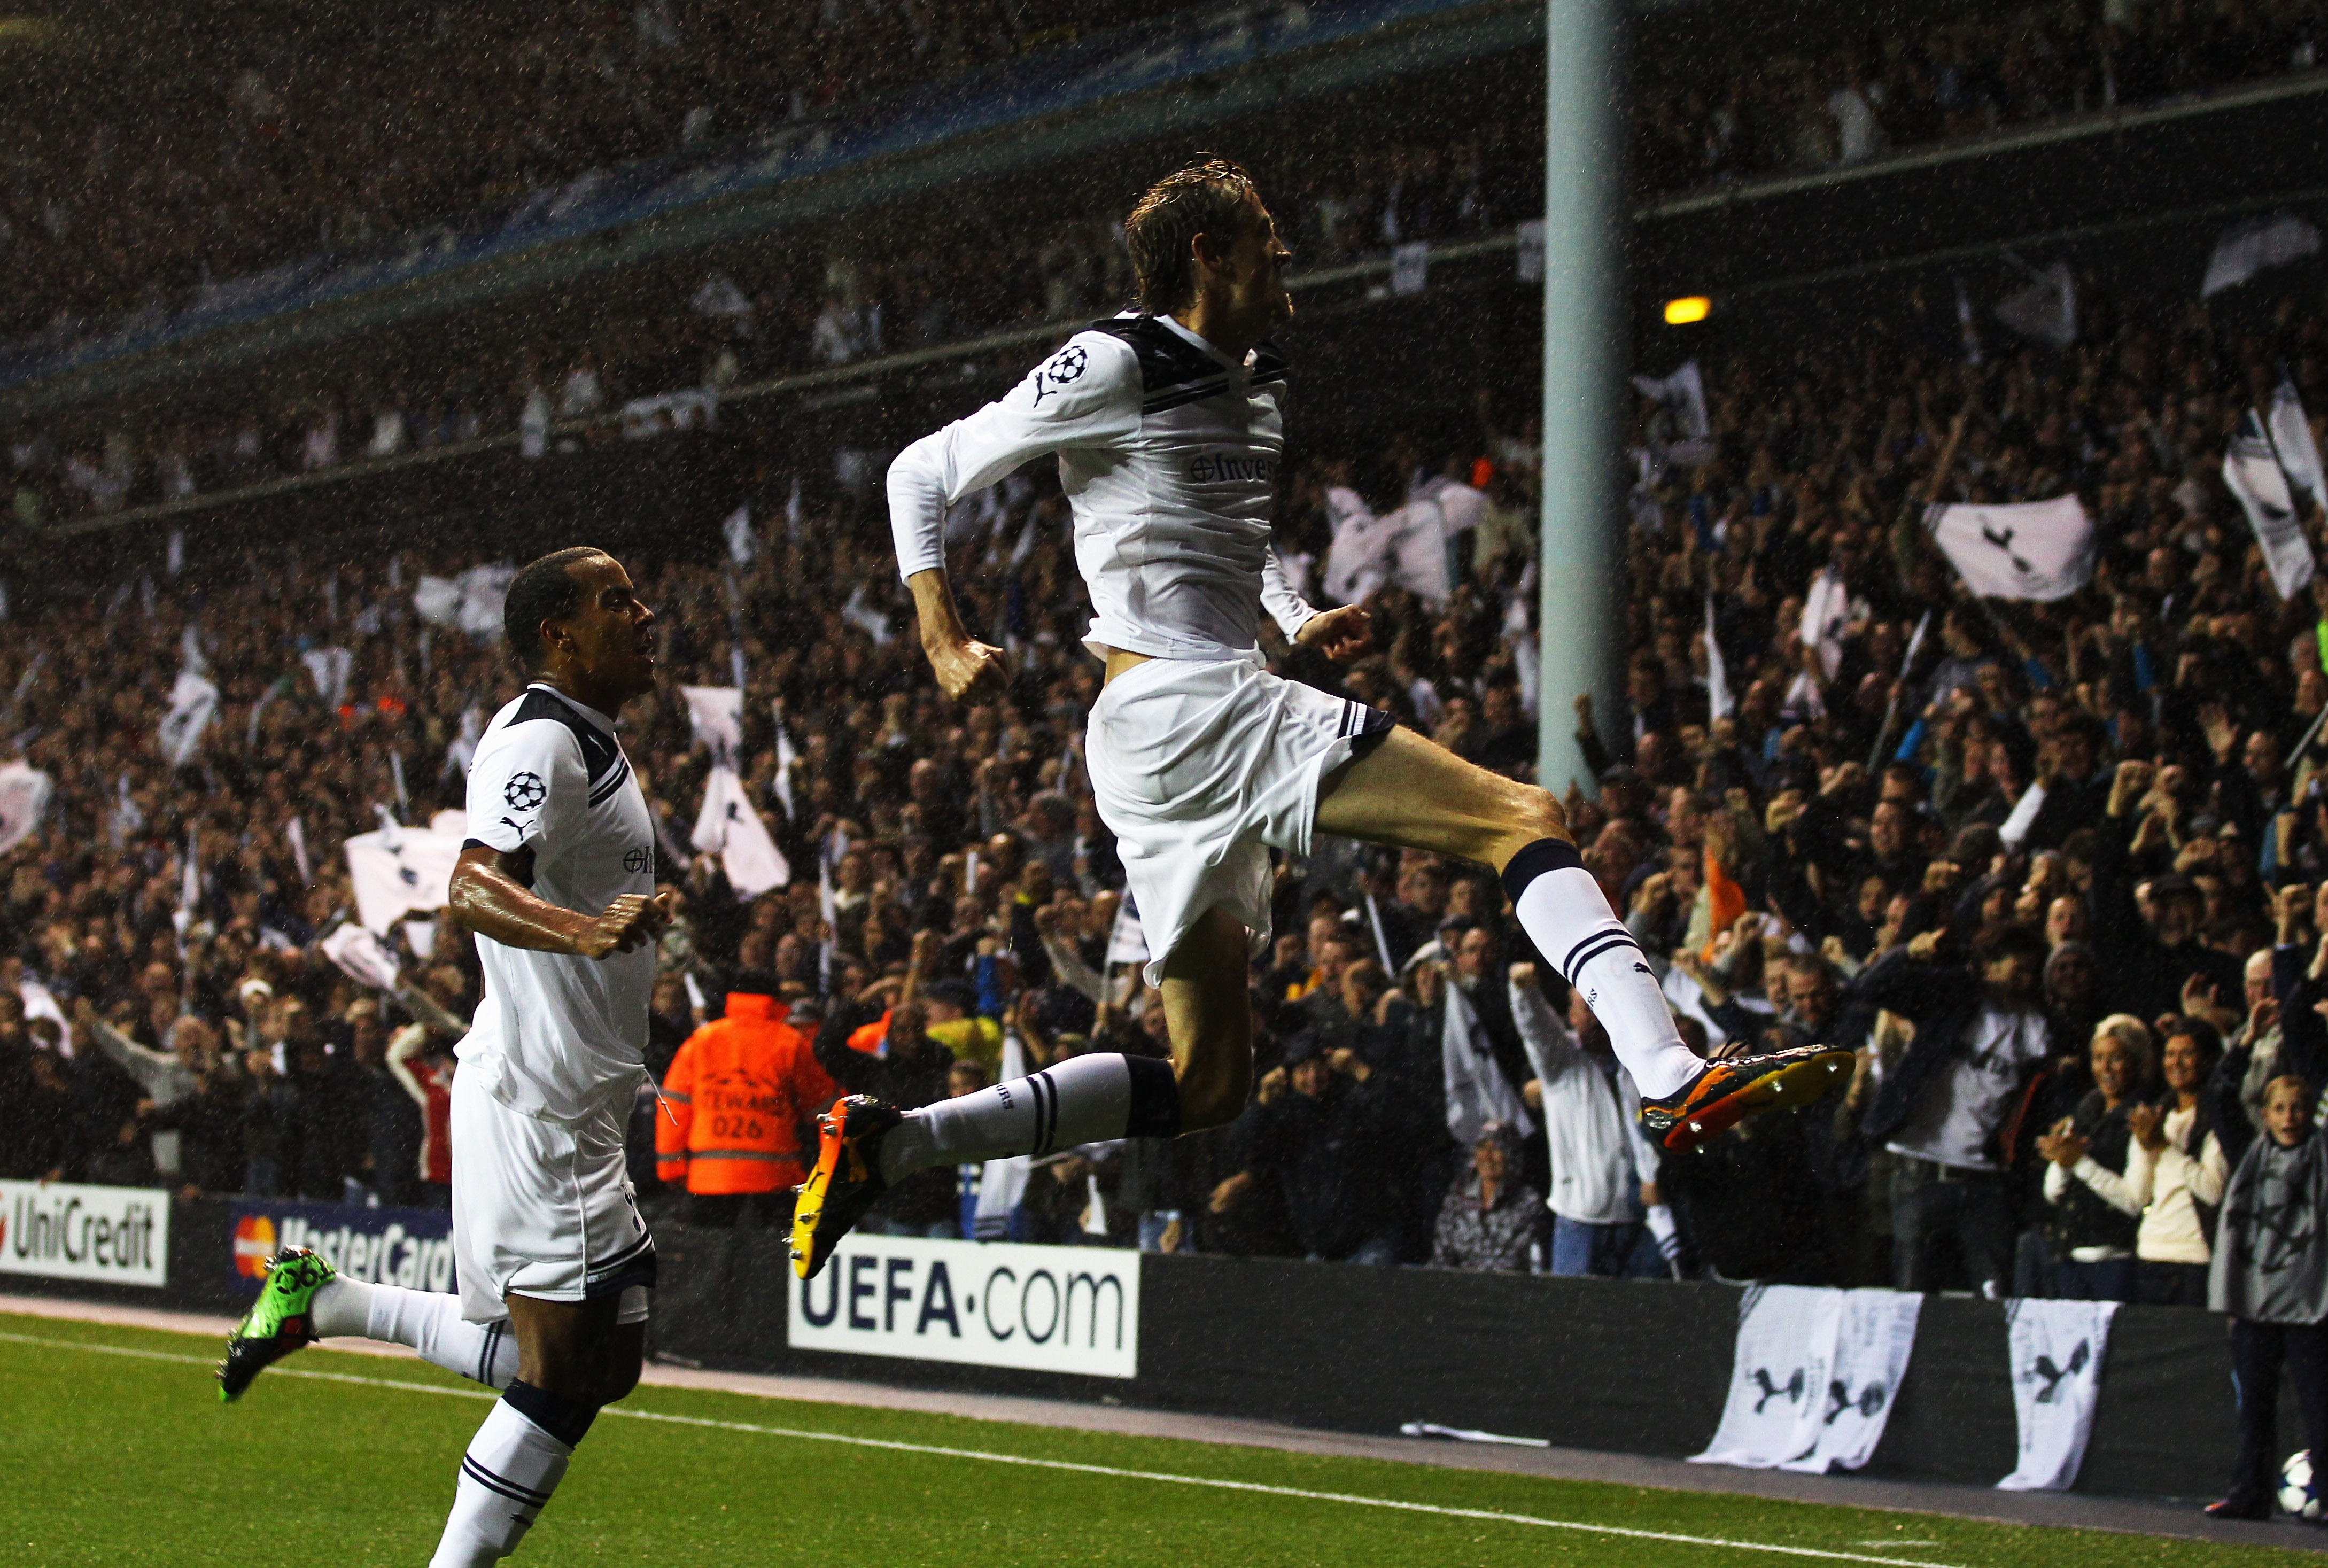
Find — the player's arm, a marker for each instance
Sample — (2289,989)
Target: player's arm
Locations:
(490,896)
(1341,635)
(528,790)
(1085,395)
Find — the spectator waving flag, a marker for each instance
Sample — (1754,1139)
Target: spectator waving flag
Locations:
(717,712)
(2038,549)
(25,792)
(194,703)
(2252,473)
(1477,1093)
(2291,435)
(729,828)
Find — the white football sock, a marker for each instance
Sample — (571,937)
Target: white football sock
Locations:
(1566,915)
(508,1474)
(1083,1100)
(430,1321)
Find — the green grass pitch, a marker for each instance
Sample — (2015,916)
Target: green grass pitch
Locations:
(115,1453)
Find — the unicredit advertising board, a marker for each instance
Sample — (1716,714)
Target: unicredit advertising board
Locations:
(412,1247)
(117,1236)
(987,1303)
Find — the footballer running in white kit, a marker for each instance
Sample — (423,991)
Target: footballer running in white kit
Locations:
(1167,425)
(549,1069)
(554,1263)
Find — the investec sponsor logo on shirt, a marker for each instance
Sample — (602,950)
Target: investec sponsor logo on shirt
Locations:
(411,1247)
(118,1234)
(987,1303)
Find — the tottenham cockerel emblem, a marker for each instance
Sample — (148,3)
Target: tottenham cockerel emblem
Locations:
(524,791)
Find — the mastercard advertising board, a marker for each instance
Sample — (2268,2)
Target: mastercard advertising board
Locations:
(411,1247)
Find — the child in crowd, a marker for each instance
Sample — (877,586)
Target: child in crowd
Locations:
(2271,1276)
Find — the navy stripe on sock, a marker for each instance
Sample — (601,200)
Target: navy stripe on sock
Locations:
(1534,860)
(1155,1109)
(1608,944)
(485,1354)
(566,1419)
(1568,965)
(1046,1110)
(501,1484)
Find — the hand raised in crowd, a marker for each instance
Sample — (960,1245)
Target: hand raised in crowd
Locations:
(1226,1196)
(1924,945)
(2127,786)
(2290,905)
(630,920)
(1346,1060)
(2062,1146)
(1272,1087)
(2147,1124)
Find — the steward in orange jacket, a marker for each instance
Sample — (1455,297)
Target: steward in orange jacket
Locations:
(741,1100)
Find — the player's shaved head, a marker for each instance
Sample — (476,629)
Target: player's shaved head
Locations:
(542,590)
(1208,194)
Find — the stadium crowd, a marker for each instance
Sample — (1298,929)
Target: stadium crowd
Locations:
(1697,122)
(787,311)
(2075,1010)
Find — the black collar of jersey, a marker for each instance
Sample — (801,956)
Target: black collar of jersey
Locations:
(601,754)
(1173,370)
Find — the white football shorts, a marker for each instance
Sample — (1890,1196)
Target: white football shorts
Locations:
(1200,768)
(545,1209)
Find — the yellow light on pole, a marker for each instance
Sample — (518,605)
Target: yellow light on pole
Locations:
(1687,311)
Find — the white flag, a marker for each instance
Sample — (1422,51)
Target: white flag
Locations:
(296,832)
(1409,267)
(174,556)
(329,668)
(2045,311)
(1826,611)
(1407,546)
(2039,549)
(395,870)
(1719,705)
(785,757)
(2252,474)
(2291,437)
(2254,246)
(720,296)
(1875,1335)
(717,712)
(741,543)
(194,703)
(2057,1349)
(25,792)
(1126,942)
(464,749)
(1683,396)
(360,956)
(728,827)
(1477,1093)
(865,617)
(471,602)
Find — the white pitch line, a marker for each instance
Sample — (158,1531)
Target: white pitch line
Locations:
(935,1451)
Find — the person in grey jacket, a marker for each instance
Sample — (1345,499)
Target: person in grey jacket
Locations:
(2270,1274)
(1600,1160)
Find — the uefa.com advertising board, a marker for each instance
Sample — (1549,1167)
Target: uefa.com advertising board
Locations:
(61,1230)
(989,1304)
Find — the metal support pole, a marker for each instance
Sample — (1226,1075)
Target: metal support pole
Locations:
(1582,564)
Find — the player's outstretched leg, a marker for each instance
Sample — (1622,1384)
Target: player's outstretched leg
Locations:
(577,1356)
(305,1298)
(864,1145)
(1411,793)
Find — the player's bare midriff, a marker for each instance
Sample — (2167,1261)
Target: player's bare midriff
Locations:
(1118,660)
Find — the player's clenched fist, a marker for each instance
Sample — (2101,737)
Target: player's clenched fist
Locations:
(629,920)
(969,670)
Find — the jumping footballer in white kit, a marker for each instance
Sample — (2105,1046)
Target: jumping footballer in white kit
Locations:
(554,1263)
(1167,424)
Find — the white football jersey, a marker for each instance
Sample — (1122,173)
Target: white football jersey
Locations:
(555,1031)
(1167,452)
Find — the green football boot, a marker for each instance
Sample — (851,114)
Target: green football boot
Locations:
(278,1322)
